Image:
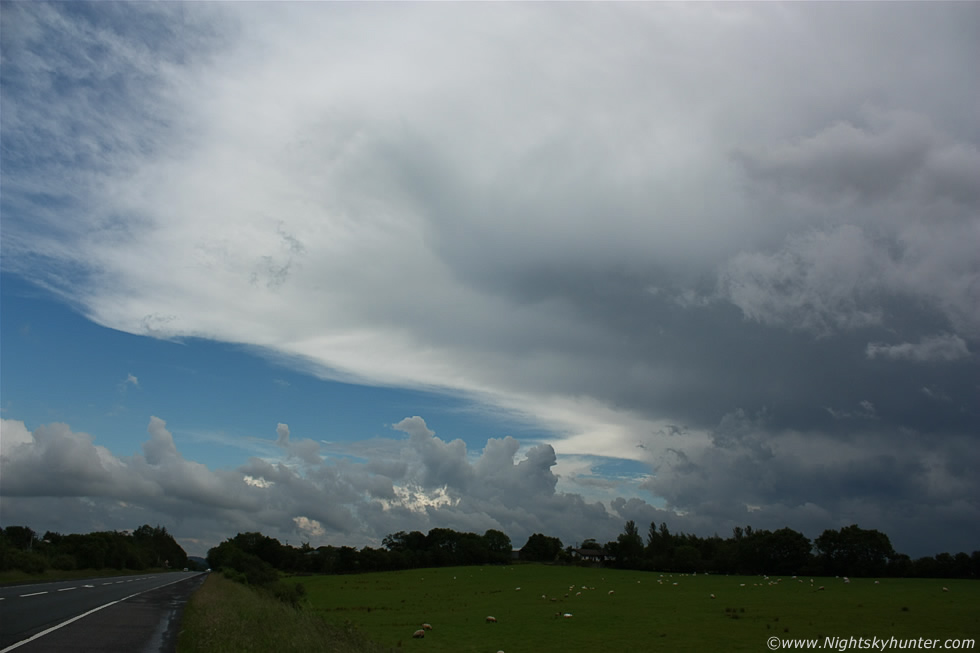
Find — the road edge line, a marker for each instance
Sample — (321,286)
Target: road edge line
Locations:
(76,618)
(54,628)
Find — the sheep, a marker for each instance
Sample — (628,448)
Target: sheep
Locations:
(491,620)
(418,634)
(567,615)
(945,589)
(611,591)
(712,596)
(426,627)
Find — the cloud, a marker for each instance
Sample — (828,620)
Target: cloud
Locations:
(487,201)
(938,348)
(341,501)
(866,410)
(305,450)
(282,431)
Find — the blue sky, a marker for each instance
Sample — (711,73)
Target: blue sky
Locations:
(329,271)
(217,392)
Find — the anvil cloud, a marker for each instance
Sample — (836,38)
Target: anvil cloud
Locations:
(732,245)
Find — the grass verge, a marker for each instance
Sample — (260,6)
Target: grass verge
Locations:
(227,616)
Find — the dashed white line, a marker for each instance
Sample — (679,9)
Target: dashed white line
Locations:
(74,619)
(67,589)
(34,594)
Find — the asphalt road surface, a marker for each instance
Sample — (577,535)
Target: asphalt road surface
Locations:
(124,614)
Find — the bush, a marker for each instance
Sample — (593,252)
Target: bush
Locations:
(291,594)
(64,562)
(29,562)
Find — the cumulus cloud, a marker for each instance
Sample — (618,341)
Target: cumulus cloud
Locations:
(305,450)
(282,434)
(941,347)
(341,501)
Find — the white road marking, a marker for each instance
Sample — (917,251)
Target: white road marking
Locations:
(34,594)
(67,589)
(74,619)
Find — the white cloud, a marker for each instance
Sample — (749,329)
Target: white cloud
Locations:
(282,433)
(941,347)
(865,410)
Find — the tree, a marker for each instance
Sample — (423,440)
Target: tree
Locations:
(789,551)
(686,558)
(630,548)
(854,551)
(498,545)
(20,537)
(541,548)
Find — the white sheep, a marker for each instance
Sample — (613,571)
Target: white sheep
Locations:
(945,589)
(418,634)
(491,620)
(426,627)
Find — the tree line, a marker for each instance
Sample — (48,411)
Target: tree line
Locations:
(257,559)
(147,547)
(849,551)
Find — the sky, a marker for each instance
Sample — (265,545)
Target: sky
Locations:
(329,271)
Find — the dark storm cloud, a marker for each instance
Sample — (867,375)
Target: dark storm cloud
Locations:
(753,224)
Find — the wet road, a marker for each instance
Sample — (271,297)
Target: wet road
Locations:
(127,614)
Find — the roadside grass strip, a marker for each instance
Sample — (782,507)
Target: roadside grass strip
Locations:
(223,616)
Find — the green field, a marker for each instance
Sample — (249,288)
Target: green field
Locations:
(616,610)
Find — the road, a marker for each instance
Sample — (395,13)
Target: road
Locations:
(122,613)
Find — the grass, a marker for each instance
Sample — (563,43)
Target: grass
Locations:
(17,577)
(643,610)
(225,616)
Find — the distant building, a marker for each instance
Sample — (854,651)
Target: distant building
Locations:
(591,555)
